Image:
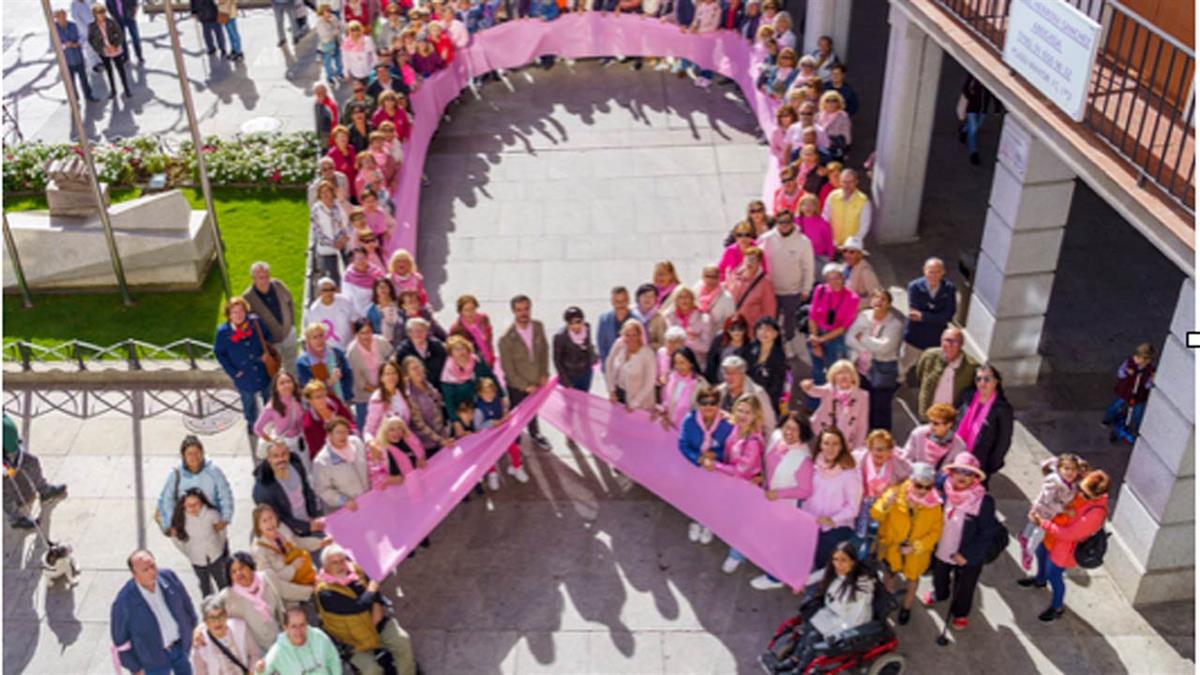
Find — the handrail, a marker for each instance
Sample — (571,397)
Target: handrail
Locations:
(1172,40)
(136,354)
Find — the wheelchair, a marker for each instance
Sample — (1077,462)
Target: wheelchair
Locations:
(870,648)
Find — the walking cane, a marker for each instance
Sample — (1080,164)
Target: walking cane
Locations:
(942,640)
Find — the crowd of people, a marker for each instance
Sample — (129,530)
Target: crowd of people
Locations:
(779,366)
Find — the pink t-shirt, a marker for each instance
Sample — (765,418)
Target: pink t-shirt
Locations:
(526,334)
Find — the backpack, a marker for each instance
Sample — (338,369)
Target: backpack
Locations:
(1089,553)
(998,543)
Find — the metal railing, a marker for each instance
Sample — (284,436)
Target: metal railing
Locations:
(134,355)
(1141,102)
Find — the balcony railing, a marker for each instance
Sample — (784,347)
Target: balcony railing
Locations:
(1141,102)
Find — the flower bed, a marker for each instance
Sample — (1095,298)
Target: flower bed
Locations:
(283,159)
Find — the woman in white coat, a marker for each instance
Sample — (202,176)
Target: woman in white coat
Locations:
(340,470)
(874,341)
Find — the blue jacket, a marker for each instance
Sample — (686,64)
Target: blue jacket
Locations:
(545,9)
(936,312)
(132,621)
(304,366)
(691,437)
(607,331)
(848,95)
(242,357)
(211,481)
(71,34)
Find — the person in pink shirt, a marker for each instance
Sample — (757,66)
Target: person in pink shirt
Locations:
(831,313)
(476,327)
(388,400)
(785,117)
(368,176)
(674,339)
(383,159)
(935,442)
(833,175)
(743,240)
(837,493)
(391,109)
(753,294)
(788,194)
(383,453)
(679,391)
(379,221)
(833,124)
(880,466)
(816,228)
(743,456)
(788,473)
(405,276)
(842,403)
(666,280)
(283,417)
(695,324)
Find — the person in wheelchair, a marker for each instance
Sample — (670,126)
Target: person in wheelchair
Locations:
(843,601)
(354,613)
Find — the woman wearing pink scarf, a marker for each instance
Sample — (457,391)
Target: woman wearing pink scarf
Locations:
(340,469)
(968,528)
(404,275)
(680,389)
(934,442)
(985,420)
(743,456)
(788,474)
(880,468)
(713,300)
(665,282)
(842,403)
(702,436)
(252,598)
(910,523)
(685,314)
(476,327)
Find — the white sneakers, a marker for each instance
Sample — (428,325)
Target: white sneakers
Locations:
(706,535)
(493,481)
(703,82)
(519,474)
(730,565)
(694,532)
(699,533)
(764,583)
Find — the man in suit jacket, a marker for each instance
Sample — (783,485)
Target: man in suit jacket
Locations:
(152,619)
(124,12)
(525,357)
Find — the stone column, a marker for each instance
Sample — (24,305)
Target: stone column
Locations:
(827,17)
(1026,220)
(910,85)
(1151,554)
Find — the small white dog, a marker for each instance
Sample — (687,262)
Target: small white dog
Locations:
(58,563)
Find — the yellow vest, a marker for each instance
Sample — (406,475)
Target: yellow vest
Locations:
(844,216)
(356,630)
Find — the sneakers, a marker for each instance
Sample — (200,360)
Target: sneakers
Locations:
(1030,582)
(959,623)
(1050,614)
(493,481)
(21,523)
(730,565)
(929,600)
(53,493)
(694,532)
(1026,558)
(706,535)
(518,472)
(540,440)
(763,582)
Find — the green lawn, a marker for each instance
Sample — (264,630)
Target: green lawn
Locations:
(270,225)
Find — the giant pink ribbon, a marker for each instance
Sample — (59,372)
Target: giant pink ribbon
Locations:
(577,35)
(389,523)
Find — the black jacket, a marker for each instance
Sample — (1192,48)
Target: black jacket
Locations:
(267,490)
(434,360)
(571,360)
(712,366)
(978,532)
(116,36)
(770,374)
(129,7)
(205,11)
(995,437)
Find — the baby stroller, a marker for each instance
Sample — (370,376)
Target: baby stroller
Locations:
(869,648)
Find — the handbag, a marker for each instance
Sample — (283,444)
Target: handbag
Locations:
(306,573)
(883,374)
(270,356)
(222,18)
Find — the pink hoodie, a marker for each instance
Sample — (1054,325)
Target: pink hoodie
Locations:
(743,456)
(377,471)
(804,473)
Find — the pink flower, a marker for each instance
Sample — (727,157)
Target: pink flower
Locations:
(276,176)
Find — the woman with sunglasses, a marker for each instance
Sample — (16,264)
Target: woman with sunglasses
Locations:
(733,341)
(985,419)
(702,436)
(358,52)
(935,441)
(744,239)
(910,523)
(743,456)
(968,528)
(713,300)
(756,215)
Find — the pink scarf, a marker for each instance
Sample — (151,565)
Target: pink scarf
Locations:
(346,454)
(973,419)
(825,469)
(677,406)
(960,503)
(452,373)
(684,319)
(349,578)
(664,292)
(705,298)
(256,595)
(931,498)
(874,481)
(580,338)
(934,451)
(708,432)
(476,331)
(362,279)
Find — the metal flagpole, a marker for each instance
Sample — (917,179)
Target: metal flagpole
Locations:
(197,141)
(86,147)
(26,299)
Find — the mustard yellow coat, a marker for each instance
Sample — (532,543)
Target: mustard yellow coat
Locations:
(900,521)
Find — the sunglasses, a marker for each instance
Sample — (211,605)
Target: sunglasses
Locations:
(708,402)
(921,487)
(744,235)
(983,378)
(962,472)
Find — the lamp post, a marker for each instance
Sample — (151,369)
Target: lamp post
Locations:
(197,141)
(85,147)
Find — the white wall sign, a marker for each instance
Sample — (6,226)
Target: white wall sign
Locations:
(1013,150)
(1053,46)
